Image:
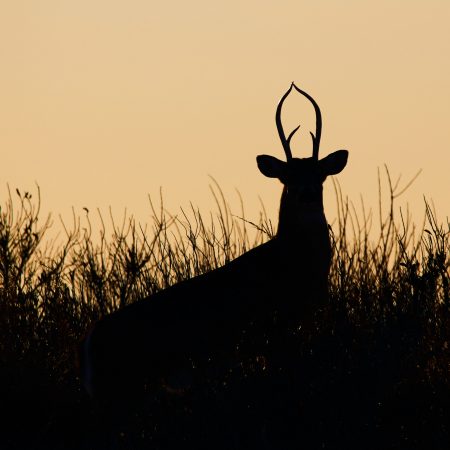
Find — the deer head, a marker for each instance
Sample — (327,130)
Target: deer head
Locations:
(302,177)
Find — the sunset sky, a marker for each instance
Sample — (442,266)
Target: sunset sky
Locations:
(102,102)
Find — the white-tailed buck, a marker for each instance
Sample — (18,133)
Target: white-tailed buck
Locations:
(203,317)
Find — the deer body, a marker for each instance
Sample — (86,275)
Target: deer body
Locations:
(203,317)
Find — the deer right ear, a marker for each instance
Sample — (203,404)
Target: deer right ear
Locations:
(270,166)
(334,162)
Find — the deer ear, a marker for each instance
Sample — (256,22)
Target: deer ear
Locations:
(334,162)
(270,166)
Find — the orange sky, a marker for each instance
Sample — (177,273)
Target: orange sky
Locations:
(104,101)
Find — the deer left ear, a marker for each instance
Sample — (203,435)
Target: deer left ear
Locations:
(334,162)
(270,166)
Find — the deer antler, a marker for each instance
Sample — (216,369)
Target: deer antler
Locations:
(285,142)
(315,137)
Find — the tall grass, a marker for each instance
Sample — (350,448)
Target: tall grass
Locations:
(399,279)
(389,294)
(52,292)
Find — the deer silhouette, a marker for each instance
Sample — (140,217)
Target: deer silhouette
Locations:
(202,318)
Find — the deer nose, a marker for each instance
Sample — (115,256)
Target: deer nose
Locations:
(308,193)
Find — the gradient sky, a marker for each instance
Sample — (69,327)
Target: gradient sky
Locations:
(104,101)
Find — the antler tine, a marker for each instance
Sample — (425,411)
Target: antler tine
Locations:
(285,142)
(315,137)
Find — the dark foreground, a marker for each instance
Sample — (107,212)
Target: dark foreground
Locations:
(340,388)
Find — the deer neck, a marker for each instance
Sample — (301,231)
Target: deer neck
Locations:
(302,222)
